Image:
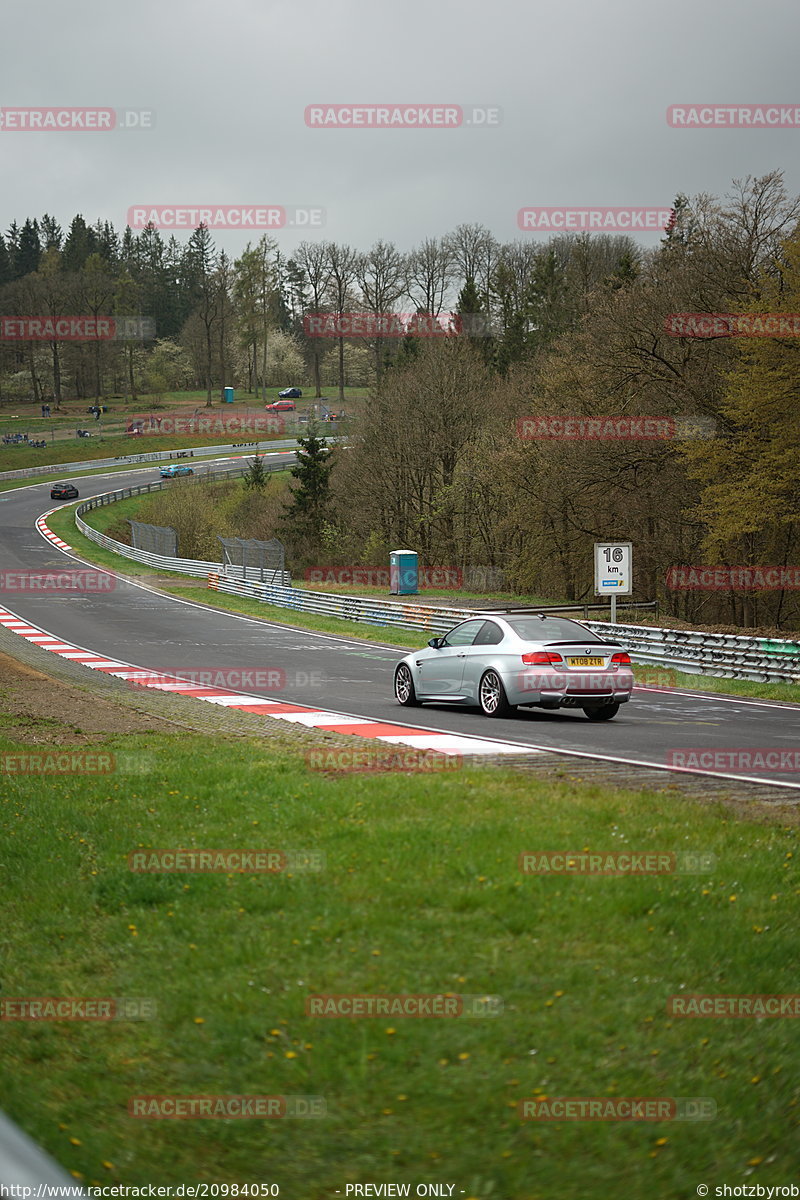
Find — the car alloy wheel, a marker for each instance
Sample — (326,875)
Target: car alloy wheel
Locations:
(492,696)
(602,712)
(404,687)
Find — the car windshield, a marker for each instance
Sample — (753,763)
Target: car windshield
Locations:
(550,629)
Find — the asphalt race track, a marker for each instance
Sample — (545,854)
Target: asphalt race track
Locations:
(142,627)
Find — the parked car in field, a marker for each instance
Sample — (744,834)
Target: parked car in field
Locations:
(510,658)
(281,406)
(290,394)
(63,491)
(174,469)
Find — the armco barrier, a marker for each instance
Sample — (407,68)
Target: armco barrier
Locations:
(724,655)
(98,463)
(131,459)
(729,656)
(24,1165)
(183,566)
(350,608)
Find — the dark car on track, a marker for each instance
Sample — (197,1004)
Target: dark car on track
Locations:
(503,660)
(63,491)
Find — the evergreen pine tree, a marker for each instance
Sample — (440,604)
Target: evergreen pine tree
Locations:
(80,243)
(52,235)
(6,266)
(29,251)
(256,478)
(307,512)
(12,243)
(474,320)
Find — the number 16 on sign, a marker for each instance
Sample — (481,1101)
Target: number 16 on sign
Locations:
(613,571)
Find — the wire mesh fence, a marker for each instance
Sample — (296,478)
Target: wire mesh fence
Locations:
(157,539)
(251,558)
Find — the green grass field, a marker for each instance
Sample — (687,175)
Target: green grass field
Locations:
(108,437)
(122,468)
(421,893)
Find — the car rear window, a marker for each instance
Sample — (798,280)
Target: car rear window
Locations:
(551,629)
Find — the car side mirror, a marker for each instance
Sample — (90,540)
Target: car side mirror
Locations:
(435,643)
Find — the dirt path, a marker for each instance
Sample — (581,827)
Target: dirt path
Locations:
(36,709)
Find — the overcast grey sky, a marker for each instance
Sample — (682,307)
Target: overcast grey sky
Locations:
(583,89)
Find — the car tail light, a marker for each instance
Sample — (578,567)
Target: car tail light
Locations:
(541,658)
(621,657)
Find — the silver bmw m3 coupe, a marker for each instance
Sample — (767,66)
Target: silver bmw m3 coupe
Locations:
(504,660)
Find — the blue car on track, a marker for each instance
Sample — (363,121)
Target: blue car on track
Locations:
(171,471)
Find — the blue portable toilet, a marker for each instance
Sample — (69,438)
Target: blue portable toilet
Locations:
(403,573)
(228,395)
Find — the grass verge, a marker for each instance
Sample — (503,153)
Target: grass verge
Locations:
(420,894)
(62,523)
(10,485)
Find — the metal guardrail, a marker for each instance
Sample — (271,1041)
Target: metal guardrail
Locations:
(126,459)
(580,607)
(731,656)
(728,656)
(697,653)
(183,566)
(349,608)
(92,463)
(24,1164)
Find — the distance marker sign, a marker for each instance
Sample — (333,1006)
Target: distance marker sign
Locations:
(613,568)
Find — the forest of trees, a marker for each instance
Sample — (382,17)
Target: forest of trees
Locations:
(240,322)
(435,462)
